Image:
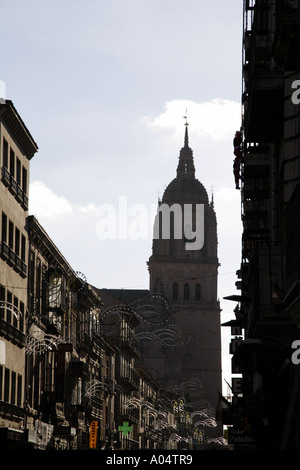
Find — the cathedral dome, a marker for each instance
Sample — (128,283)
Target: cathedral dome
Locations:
(185,189)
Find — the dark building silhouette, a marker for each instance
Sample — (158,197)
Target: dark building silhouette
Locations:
(179,328)
(71,355)
(265,409)
(184,269)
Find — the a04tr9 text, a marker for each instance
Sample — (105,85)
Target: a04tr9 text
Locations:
(157,459)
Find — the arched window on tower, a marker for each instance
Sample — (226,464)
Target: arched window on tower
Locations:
(175,291)
(197,292)
(186,291)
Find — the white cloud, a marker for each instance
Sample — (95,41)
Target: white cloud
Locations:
(88,209)
(213,119)
(44,203)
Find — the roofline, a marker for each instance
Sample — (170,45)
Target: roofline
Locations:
(15,124)
(35,228)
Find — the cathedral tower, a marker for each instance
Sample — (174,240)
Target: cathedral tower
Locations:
(187,274)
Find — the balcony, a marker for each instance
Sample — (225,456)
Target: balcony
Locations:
(25,202)
(13,334)
(264,108)
(87,343)
(5,177)
(287,37)
(263,89)
(96,407)
(132,415)
(4,251)
(15,189)
(255,210)
(128,342)
(130,378)
(255,192)
(255,215)
(265,287)
(13,186)
(19,195)
(255,176)
(129,444)
(256,162)
(255,189)
(12,259)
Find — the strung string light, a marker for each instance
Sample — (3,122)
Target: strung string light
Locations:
(153,309)
(12,308)
(38,342)
(170,336)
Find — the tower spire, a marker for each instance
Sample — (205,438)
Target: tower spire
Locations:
(186,136)
(186,160)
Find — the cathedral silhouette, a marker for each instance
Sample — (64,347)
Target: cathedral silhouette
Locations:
(181,347)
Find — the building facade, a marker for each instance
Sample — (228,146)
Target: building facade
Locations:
(183,267)
(56,371)
(266,406)
(17,147)
(72,369)
(65,352)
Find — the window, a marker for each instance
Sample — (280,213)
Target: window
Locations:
(197,292)
(8,309)
(2,301)
(186,291)
(6,385)
(4,228)
(38,286)
(32,273)
(18,178)
(12,163)
(175,291)
(17,242)
(22,313)
(24,180)
(76,398)
(23,247)
(19,390)
(44,290)
(36,381)
(11,235)
(2,359)
(16,309)
(5,153)
(13,388)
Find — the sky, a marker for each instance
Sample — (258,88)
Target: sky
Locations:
(103,86)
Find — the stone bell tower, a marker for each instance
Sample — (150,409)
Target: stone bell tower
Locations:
(185,270)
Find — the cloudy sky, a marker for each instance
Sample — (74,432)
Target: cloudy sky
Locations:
(103,86)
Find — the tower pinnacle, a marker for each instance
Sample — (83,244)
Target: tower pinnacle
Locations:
(186,160)
(186,137)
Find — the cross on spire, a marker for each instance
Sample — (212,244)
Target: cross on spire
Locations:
(185,117)
(186,137)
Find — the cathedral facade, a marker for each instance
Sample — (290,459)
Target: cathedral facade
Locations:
(183,268)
